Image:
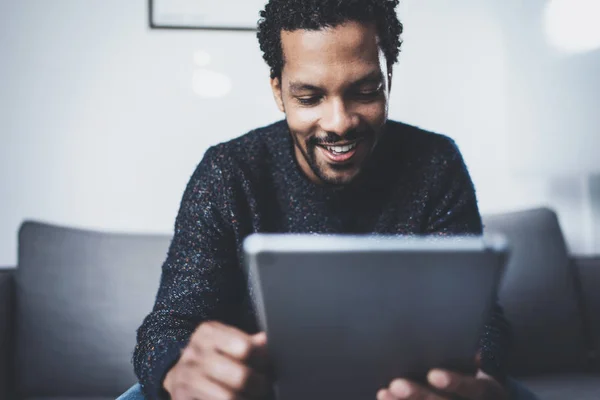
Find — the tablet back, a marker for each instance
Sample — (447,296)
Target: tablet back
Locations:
(346,315)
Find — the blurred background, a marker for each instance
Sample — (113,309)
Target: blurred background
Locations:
(104,119)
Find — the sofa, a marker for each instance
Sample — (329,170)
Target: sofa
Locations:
(70,309)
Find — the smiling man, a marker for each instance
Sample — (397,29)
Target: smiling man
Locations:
(336,164)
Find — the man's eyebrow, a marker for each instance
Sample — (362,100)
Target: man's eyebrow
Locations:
(372,77)
(303,87)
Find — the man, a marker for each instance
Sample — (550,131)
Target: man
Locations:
(335,165)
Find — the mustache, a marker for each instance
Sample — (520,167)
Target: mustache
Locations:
(332,138)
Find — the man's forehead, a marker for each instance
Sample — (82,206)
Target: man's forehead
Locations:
(349,40)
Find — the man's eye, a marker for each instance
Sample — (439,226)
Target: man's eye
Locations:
(308,101)
(368,94)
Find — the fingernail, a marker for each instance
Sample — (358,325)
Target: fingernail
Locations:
(439,379)
(400,388)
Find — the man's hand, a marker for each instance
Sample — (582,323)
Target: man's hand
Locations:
(220,363)
(450,384)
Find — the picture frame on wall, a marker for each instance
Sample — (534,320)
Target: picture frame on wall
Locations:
(230,15)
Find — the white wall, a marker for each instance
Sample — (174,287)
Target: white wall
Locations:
(480,71)
(100,127)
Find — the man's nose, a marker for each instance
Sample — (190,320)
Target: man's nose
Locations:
(338,118)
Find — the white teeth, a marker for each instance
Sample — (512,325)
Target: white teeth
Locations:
(341,149)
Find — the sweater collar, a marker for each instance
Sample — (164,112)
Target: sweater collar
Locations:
(294,174)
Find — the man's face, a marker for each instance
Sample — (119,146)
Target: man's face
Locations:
(334,90)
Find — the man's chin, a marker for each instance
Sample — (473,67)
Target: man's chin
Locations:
(339,179)
(336,174)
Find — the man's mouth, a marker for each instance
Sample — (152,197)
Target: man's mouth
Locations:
(341,149)
(339,153)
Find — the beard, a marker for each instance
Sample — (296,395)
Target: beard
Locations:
(325,171)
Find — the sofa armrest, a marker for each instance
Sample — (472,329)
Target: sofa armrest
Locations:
(6,330)
(588,269)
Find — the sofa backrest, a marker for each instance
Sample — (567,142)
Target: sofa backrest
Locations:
(539,294)
(81,295)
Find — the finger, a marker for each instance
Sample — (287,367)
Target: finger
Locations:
(384,394)
(206,389)
(459,384)
(403,389)
(224,339)
(182,393)
(259,339)
(233,375)
(189,383)
(259,357)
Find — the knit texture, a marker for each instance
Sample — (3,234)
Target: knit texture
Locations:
(415,183)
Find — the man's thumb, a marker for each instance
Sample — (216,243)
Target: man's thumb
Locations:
(259,339)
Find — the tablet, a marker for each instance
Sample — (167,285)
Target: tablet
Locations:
(345,315)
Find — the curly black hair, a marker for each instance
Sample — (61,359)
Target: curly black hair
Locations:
(290,15)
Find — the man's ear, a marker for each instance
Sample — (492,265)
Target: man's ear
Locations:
(390,75)
(277,94)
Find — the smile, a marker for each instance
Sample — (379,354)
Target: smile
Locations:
(341,149)
(340,153)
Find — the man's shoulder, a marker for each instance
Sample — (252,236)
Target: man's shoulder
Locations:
(413,136)
(250,154)
(413,143)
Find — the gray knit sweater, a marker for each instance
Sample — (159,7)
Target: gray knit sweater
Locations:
(415,183)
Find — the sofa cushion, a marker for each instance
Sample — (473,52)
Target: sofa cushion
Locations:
(81,295)
(567,386)
(6,331)
(588,269)
(539,294)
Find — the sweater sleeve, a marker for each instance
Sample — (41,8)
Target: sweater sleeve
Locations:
(197,276)
(454,211)
(453,203)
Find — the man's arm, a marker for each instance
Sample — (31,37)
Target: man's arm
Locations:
(199,276)
(453,206)
(454,211)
